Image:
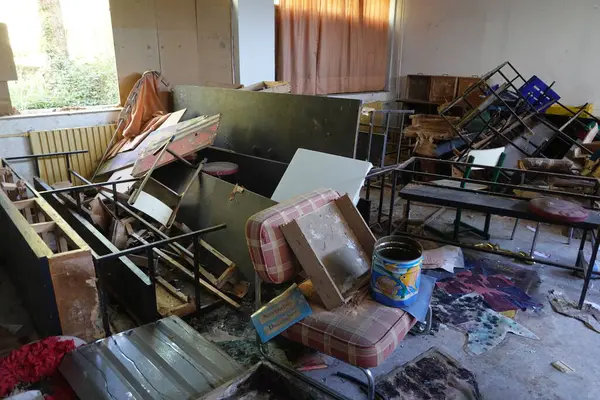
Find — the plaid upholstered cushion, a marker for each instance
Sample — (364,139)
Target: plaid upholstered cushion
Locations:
(273,260)
(363,334)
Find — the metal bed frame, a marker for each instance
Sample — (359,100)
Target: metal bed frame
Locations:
(409,170)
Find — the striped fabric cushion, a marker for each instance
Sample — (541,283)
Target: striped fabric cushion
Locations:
(273,260)
(363,334)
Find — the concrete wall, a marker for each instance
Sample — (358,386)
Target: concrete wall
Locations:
(254,30)
(13,132)
(553,39)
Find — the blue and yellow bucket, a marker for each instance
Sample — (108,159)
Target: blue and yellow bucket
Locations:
(396,271)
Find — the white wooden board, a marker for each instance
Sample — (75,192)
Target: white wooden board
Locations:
(153,207)
(310,170)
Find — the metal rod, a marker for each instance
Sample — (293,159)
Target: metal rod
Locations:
(86,186)
(392,201)
(507,185)
(385,139)
(151,267)
(381,194)
(196,247)
(490,251)
(162,242)
(137,192)
(502,169)
(102,298)
(183,160)
(115,199)
(535,237)
(62,153)
(68,162)
(590,270)
(371,127)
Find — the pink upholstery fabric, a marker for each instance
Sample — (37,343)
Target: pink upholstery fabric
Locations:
(363,334)
(273,260)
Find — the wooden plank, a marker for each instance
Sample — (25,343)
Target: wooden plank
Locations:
(178,41)
(42,227)
(172,120)
(172,289)
(153,207)
(190,136)
(136,41)
(306,254)
(214,27)
(359,226)
(334,246)
(8,70)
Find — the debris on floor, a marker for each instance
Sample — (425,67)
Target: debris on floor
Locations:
(432,375)
(485,328)
(445,257)
(33,363)
(498,292)
(562,367)
(589,314)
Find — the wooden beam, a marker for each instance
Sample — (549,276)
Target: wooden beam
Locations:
(43,227)
(172,289)
(190,274)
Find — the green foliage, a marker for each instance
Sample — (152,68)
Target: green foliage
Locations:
(66,83)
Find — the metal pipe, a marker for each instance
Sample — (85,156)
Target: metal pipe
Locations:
(371,127)
(196,247)
(468,180)
(62,153)
(490,251)
(87,186)
(553,174)
(160,243)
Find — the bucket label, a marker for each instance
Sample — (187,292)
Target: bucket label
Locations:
(398,281)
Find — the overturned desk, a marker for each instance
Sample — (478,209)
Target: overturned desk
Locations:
(502,206)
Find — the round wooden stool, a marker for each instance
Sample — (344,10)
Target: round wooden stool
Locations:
(222,169)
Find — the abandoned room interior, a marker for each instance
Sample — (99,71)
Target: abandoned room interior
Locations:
(299,199)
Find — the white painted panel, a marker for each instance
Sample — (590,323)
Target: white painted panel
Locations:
(256,40)
(310,170)
(553,39)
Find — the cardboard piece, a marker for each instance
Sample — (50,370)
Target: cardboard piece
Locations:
(281,313)
(310,170)
(335,247)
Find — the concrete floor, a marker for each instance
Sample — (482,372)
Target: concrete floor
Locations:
(518,368)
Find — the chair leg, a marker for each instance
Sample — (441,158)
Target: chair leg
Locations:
(512,235)
(370,383)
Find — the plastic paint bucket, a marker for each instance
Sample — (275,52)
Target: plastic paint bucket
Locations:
(396,271)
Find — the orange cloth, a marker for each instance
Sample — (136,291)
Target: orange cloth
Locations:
(146,106)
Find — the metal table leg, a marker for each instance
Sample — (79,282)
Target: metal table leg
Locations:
(588,273)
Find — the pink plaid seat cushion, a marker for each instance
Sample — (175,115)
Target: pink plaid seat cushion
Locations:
(363,334)
(273,260)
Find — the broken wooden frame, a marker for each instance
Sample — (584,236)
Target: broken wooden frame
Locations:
(519,178)
(494,97)
(155,186)
(150,249)
(136,278)
(51,266)
(187,254)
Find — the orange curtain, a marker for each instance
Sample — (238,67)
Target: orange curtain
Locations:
(333,46)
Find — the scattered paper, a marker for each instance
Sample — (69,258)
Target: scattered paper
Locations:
(589,313)
(531,228)
(445,257)
(540,254)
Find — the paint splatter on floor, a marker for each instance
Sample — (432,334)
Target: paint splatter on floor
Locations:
(469,313)
(432,375)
